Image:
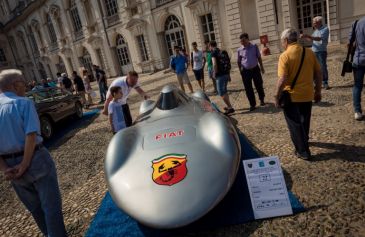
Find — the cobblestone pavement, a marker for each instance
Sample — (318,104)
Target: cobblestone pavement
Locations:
(331,187)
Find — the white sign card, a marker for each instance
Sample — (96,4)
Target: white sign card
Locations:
(266,184)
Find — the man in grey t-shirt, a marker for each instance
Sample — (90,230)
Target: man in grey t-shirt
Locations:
(197,64)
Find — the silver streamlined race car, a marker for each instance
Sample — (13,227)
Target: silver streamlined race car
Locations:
(176,163)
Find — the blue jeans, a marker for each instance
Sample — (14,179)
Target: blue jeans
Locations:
(39,192)
(359,72)
(322,59)
(210,74)
(222,82)
(102,90)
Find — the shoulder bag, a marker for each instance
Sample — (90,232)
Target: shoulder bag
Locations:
(347,65)
(284,99)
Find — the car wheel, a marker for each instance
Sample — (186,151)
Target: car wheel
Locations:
(46,127)
(78,110)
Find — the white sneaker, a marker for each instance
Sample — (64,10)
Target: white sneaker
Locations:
(358,116)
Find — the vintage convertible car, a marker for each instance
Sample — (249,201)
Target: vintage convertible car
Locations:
(176,163)
(54,104)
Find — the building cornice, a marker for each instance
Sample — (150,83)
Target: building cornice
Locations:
(20,14)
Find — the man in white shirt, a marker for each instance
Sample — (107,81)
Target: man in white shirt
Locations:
(126,83)
(197,64)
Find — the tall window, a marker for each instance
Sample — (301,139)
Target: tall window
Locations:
(142,47)
(308,9)
(52,33)
(122,51)
(111,7)
(34,42)
(174,34)
(75,17)
(208,27)
(2,56)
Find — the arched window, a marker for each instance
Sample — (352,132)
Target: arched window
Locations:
(33,42)
(75,16)
(174,34)
(207,27)
(52,33)
(122,51)
(123,55)
(86,61)
(111,7)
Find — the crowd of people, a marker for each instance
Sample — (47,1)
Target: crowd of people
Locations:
(302,73)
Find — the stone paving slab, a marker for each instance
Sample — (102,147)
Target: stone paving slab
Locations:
(331,187)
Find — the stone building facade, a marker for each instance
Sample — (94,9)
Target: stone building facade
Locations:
(42,37)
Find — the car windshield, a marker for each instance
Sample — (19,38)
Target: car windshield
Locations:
(47,95)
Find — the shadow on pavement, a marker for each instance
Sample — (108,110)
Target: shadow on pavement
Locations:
(269,108)
(323,104)
(342,87)
(340,151)
(68,127)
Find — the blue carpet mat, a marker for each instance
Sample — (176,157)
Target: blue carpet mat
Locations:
(64,127)
(235,208)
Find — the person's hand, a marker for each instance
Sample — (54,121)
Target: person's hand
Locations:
(10,173)
(146,97)
(105,111)
(20,169)
(302,36)
(277,105)
(317,97)
(262,70)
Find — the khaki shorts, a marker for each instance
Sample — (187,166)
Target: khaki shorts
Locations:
(183,78)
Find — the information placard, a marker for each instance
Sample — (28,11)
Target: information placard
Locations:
(266,184)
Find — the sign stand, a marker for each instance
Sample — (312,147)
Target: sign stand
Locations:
(266,184)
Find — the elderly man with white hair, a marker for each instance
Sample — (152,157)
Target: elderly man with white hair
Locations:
(319,46)
(24,160)
(296,68)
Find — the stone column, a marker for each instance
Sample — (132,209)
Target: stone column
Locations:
(267,23)
(37,37)
(234,22)
(332,21)
(83,17)
(67,63)
(45,33)
(286,4)
(67,25)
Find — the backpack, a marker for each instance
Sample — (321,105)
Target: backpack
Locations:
(66,82)
(224,62)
